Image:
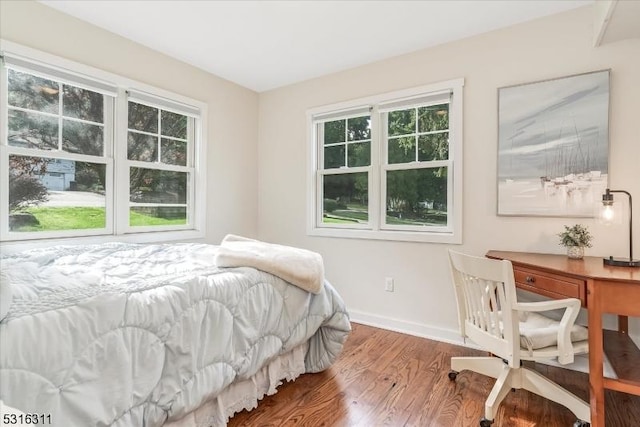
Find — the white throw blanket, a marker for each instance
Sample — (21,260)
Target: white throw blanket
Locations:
(299,267)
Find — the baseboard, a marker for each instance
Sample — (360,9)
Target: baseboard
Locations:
(450,336)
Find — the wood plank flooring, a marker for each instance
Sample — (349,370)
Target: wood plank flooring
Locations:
(385,378)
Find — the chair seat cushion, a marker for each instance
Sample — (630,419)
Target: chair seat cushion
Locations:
(538,331)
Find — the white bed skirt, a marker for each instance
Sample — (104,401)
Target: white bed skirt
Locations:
(245,394)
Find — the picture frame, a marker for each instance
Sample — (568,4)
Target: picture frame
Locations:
(553,146)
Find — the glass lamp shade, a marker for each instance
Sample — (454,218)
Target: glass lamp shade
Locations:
(607,214)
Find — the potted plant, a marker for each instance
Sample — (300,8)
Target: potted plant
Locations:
(575,239)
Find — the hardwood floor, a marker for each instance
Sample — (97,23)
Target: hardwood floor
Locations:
(385,378)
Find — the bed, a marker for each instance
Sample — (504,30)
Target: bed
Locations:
(149,335)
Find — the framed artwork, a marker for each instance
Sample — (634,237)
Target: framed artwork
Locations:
(553,146)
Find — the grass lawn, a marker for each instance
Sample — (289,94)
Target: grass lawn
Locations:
(349,216)
(79,218)
(360,215)
(334,220)
(136,219)
(346,216)
(402,221)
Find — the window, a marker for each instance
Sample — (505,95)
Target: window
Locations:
(58,136)
(83,157)
(160,163)
(345,143)
(389,166)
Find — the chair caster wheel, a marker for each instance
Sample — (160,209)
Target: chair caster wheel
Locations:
(580,423)
(453,375)
(485,422)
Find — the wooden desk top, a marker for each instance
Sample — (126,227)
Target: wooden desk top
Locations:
(589,267)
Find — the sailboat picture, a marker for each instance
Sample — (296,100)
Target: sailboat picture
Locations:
(553,146)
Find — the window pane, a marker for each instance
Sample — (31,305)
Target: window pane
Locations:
(34,93)
(32,130)
(434,146)
(433,117)
(82,138)
(417,197)
(174,125)
(82,104)
(334,132)
(157,197)
(55,194)
(345,198)
(173,152)
(402,122)
(334,156)
(359,154)
(142,117)
(142,147)
(359,128)
(402,150)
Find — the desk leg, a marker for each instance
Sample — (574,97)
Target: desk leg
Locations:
(596,356)
(623,324)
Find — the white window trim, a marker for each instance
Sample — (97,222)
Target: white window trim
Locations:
(163,105)
(137,234)
(450,234)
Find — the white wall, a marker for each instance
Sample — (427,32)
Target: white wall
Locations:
(233,110)
(423,301)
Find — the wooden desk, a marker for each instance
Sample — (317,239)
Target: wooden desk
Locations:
(601,289)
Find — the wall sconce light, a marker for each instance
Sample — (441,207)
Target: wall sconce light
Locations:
(607,215)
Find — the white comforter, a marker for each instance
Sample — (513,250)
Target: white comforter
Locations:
(134,335)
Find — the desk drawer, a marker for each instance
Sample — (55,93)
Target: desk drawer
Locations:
(550,285)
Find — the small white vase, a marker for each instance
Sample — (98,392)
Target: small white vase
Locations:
(575,252)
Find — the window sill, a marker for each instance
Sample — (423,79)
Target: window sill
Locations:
(155,237)
(400,236)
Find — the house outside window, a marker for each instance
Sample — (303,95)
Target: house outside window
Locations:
(83,156)
(389,166)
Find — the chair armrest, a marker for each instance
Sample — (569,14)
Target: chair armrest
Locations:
(548,305)
(572,308)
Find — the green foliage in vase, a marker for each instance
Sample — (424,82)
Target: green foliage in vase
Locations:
(577,235)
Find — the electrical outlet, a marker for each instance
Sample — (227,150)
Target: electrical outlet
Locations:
(388,284)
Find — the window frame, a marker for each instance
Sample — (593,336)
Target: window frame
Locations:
(385,167)
(126,226)
(376,228)
(117,199)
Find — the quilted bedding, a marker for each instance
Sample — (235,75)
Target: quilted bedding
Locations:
(132,335)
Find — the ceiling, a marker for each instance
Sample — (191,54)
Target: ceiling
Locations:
(267,44)
(621,21)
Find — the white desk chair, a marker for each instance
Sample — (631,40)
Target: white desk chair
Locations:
(490,315)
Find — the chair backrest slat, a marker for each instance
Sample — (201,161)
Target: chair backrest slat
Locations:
(495,302)
(473,290)
(485,293)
